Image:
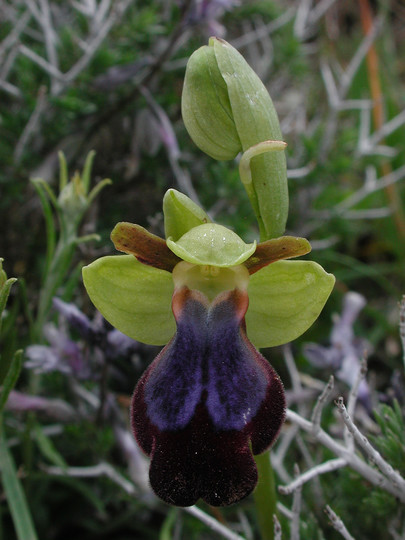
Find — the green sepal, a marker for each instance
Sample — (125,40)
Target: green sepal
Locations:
(133,297)
(181,214)
(212,244)
(285,299)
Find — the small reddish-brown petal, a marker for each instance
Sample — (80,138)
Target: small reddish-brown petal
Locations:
(277,249)
(146,247)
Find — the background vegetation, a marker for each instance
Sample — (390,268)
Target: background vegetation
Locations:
(106,75)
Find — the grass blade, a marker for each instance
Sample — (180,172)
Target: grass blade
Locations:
(16,499)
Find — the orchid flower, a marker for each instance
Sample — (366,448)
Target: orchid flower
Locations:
(209,400)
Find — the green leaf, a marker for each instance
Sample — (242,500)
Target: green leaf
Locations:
(15,495)
(48,449)
(181,214)
(133,297)
(212,244)
(11,378)
(285,299)
(5,287)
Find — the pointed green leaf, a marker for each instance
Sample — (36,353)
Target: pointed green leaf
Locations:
(11,378)
(15,495)
(285,299)
(212,244)
(181,214)
(133,297)
(5,287)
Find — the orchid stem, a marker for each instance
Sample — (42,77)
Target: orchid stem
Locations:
(265,496)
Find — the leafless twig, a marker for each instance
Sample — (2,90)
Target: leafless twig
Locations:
(338,524)
(32,124)
(212,523)
(375,457)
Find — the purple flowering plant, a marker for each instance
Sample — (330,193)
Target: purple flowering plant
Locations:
(210,401)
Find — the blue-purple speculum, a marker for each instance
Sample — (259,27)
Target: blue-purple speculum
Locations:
(209,400)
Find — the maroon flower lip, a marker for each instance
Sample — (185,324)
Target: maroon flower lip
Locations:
(207,403)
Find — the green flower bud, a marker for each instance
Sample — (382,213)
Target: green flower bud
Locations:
(226,110)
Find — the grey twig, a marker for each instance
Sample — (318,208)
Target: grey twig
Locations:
(277,528)
(375,457)
(402,325)
(296,508)
(32,124)
(102,469)
(116,13)
(322,400)
(337,523)
(212,523)
(323,468)
(352,459)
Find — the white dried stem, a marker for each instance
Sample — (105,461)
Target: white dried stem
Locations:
(264,31)
(352,459)
(300,23)
(388,128)
(81,64)
(245,525)
(323,468)
(212,523)
(277,457)
(277,528)
(319,10)
(49,33)
(10,88)
(284,510)
(100,14)
(32,125)
(13,36)
(86,7)
(320,404)
(102,469)
(402,325)
(9,62)
(372,213)
(349,74)
(352,399)
(300,172)
(367,189)
(44,64)
(292,368)
(338,524)
(296,508)
(375,457)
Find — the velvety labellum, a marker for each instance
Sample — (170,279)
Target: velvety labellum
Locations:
(207,395)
